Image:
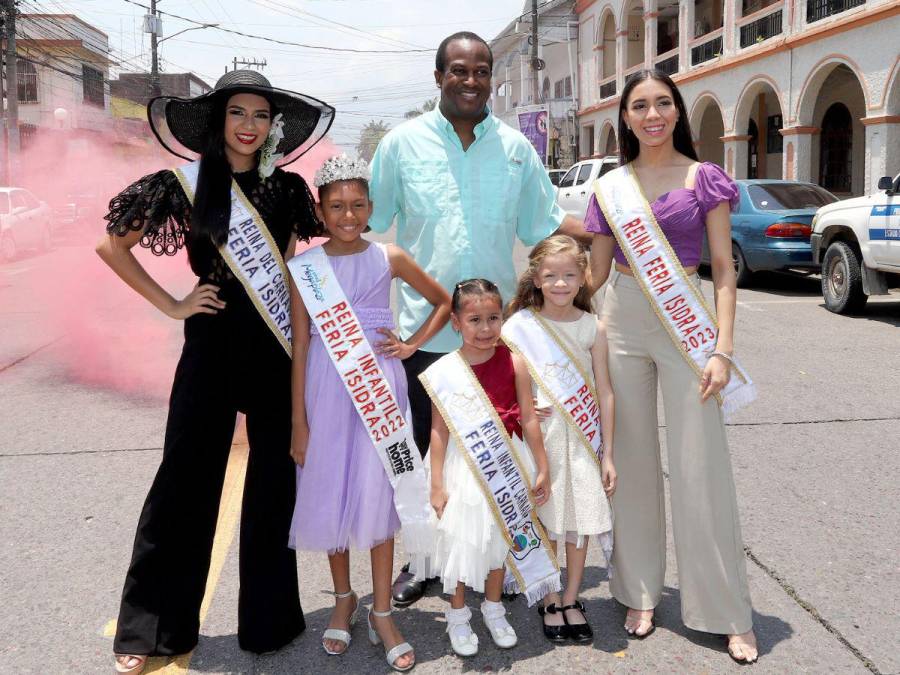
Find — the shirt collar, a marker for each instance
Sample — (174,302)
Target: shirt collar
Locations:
(484,125)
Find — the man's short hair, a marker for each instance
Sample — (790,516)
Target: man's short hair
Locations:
(440,59)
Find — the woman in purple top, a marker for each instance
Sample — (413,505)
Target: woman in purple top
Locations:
(687,198)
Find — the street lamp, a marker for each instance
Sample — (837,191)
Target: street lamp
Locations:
(206,25)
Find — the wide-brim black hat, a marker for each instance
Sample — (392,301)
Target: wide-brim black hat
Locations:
(182,124)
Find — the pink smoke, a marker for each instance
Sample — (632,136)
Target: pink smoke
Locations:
(114,339)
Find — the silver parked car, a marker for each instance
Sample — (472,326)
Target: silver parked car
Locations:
(25,222)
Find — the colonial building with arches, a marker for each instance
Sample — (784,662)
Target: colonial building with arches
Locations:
(796,89)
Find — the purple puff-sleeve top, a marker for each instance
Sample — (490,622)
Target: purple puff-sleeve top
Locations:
(681,213)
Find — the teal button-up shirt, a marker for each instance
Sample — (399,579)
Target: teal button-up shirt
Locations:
(458,212)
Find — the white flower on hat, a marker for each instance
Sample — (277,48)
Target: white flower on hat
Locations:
(267,156)
(341,167)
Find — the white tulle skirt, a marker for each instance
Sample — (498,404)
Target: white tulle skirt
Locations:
(469,544)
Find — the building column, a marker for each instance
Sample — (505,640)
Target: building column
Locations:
(882,133)
(621,59)
(685,34)
(736,154)
(651,27)
(797,157)
(729,44)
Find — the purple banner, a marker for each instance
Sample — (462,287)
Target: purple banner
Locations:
(534,125)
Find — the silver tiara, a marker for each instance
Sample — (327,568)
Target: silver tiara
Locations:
(341,167)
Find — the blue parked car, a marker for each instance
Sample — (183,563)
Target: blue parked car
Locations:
(771,228)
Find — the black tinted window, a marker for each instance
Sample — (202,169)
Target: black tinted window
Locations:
(584,174)
(569,178)
(780,196)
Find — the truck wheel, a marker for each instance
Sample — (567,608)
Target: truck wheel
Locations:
(742,273)
(842,279)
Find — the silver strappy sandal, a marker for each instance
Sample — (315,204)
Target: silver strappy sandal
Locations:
(394,653)
(338,634)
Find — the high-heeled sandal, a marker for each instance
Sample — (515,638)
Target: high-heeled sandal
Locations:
(133,669)
(649,631)
(394,652)
(339,634)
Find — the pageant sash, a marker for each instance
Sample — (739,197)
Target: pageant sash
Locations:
(558,375)
(252,256)
(491,456)
(679,304)
(376,404)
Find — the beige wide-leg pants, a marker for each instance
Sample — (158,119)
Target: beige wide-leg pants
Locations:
(712,575)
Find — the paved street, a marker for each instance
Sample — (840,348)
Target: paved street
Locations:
(85,367)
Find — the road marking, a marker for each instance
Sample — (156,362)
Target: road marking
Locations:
(799,301)
(745,305)
(226,524)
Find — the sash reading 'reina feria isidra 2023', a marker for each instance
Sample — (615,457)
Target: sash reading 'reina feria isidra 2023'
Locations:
(678,303)
(494,461)
(376,404)
(252,256)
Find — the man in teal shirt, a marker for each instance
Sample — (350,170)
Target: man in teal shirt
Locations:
(462,186)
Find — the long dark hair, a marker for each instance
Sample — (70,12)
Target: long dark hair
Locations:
(629,146)
(212,202)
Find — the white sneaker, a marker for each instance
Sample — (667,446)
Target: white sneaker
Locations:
(462,638)
(494,614)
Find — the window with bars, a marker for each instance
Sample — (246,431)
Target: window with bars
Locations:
(26,79)
(92,84)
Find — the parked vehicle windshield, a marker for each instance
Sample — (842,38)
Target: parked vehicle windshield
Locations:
(786,196)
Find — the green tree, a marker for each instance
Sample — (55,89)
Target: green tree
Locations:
(369,138)
(429,105)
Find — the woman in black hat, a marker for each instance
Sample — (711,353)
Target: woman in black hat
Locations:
(238,216)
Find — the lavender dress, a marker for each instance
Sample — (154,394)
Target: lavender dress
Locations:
(344,498)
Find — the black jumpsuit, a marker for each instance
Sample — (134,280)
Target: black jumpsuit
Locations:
(231,362)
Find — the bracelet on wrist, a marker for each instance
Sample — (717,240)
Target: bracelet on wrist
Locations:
(725,356)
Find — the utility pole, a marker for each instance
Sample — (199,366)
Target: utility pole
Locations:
(154,56)
(12,92)
(249,63)
(535,84)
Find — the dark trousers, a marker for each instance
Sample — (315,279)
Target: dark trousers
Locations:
(164,587)
(419,402)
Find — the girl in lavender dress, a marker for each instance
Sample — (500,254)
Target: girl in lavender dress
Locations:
(344,496)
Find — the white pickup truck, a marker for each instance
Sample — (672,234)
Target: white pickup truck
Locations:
(574,189)
(857,242)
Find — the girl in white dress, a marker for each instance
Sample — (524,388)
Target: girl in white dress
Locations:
(555,287)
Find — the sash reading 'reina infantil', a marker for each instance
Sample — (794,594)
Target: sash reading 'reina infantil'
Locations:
(679,304)
(492,457)
(354,359)
(559,376)
(252,256)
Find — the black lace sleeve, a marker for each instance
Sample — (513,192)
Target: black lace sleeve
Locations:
(155,205)
(299,206)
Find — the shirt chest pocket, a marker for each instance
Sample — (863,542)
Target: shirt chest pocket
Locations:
(424,186)
(500,188)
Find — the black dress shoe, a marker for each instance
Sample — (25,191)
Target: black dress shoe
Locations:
(406,590)
(579,632)
(553,633)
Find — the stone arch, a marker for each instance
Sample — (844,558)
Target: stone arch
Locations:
(812,86)
(891,99)
(606,38)
(759,114)
(708,127)
(608,144)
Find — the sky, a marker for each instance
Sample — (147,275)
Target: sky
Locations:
(361,86)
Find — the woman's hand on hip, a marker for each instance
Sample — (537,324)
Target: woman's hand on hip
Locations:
(393,346)
(715,376)
(204,299)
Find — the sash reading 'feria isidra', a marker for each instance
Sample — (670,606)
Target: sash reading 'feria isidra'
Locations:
(679,304)
(252,256)
(558,374)
(492,457)
(354,359)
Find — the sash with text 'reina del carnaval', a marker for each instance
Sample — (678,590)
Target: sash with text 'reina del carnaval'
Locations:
(494,461)
(376,404)
(252,256)
(678,303)
(558,374)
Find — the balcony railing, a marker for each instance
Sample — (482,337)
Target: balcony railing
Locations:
(706,51)
(820,9)
(762,29)
(668,65)
(608,88)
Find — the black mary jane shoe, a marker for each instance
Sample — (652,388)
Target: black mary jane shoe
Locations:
(554,633)
(578,632)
